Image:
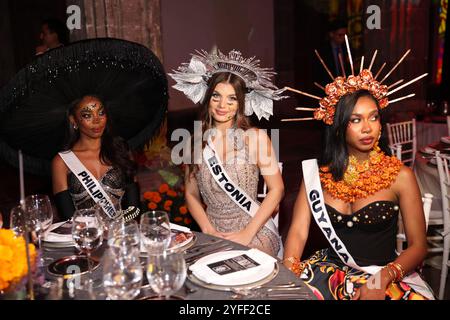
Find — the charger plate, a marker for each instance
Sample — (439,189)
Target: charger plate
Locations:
(211,286)
(70,266)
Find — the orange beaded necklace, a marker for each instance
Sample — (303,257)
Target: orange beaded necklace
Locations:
(362,179)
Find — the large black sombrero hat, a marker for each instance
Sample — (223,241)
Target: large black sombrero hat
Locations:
(34,103)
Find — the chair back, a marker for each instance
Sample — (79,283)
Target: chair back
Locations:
(444,181)
(396,150)
(404,133)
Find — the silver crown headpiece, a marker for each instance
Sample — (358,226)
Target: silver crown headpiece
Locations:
(191,78)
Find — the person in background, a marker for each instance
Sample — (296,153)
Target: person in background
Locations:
(53,34)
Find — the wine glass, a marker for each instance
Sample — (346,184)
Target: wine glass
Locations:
(126,233)
(39,209)
(155,231)
(87,232)
(18,220)
(122,273)
(166,273)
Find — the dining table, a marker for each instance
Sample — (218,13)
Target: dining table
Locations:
(191,290)
(427,132)
(426,171)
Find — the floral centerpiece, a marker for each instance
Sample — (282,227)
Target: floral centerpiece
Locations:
(161,181)
(13,261)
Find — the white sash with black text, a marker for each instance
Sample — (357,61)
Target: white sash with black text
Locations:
(89,182)
(232,189)
(319,211)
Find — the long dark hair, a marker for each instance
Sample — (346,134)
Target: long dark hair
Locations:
(114,150)
(241,121)
(335,153)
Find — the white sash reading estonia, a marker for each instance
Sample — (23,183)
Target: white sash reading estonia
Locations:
(232,189)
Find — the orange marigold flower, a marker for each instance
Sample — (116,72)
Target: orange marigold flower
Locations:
(178,219)
(152,206)
(157,198)
(164,188)
(148,195)
(187,220)
(183,210)
(168,203)
(171,193)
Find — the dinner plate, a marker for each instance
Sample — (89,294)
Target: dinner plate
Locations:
(212,286)
(428,150)
(71,266)
(446,139)
(248,277)
(62,239)
(180,241)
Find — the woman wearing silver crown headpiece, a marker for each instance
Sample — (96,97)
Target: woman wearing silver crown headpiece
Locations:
(225,171)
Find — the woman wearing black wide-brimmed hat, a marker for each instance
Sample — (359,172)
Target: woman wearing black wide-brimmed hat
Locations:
(121,82)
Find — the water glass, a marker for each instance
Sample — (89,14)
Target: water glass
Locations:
(87,232)
(40,215)
(155,231)
(122,273)
(166,273)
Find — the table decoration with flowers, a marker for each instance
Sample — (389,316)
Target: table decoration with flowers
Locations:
(162,182)
(13,264)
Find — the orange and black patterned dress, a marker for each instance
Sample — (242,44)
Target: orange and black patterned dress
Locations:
(369,234)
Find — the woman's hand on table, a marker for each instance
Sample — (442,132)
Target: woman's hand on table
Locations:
(243,237)
(213,232)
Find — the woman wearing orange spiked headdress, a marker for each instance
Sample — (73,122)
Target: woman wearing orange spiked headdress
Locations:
(355,195)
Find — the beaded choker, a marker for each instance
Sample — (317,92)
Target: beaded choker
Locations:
(362,179)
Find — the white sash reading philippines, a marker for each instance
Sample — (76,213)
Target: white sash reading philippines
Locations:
(318,209)
(232,189)
(89,182)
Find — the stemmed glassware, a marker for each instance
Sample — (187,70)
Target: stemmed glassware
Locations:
(155,231)
(40,213)
(18,220)
(122,272)
(126,232)
(166,273)
(87,233)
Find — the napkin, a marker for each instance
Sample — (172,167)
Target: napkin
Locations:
(174,226)
(50,236)
(205,273)
(429,150)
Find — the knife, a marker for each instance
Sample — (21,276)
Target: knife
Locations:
(196,257)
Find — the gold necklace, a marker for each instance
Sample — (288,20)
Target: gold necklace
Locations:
(362,179)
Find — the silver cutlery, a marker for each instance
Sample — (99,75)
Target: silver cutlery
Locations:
(197,257)
(202,246)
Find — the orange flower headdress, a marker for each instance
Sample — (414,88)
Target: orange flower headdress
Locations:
(343,85)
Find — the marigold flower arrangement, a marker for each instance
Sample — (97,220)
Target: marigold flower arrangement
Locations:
(172,201)
(162,181)
(13,259)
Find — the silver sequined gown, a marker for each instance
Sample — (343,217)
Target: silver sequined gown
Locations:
(112,182)
(223,213)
